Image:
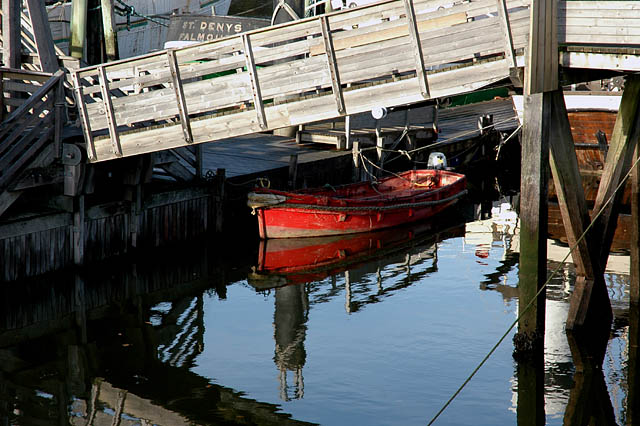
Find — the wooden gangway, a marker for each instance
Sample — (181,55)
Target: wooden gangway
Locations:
(385,54)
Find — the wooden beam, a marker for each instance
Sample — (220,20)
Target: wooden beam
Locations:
(60,112)
(568,184)
(590,299)
(541,73)
(108,111)
(78,230)
(78,28)
(621,147)
(417,48)
(509,51)
(11,38)
(109,28)
(634,287)
(7,198)
(182,103)
(38,224)
(42,36)
(332,64)
(84,117)
(533,217)
(255,83)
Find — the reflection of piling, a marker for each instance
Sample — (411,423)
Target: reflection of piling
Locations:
(589,401)
(530,372)
(633,376)
(290,317)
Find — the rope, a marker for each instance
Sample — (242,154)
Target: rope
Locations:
(506,140)
(372,208)
(438,143)
(530,304)
(128,11)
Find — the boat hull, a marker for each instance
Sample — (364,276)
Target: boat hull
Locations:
(393,202)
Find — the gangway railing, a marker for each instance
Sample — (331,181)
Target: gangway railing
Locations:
(389,53)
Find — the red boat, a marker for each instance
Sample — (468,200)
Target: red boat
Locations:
(360,207)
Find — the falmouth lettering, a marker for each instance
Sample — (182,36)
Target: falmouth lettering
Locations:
(208,28)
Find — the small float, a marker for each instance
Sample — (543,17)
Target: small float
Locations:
(359,207)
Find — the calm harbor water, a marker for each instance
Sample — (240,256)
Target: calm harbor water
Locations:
(382,336)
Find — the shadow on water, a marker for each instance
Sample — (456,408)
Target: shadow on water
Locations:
(116,343)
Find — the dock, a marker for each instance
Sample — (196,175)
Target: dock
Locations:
(140,172)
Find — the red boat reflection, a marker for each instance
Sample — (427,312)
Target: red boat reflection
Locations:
(300,260)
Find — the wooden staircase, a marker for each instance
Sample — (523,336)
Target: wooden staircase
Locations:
(32,109)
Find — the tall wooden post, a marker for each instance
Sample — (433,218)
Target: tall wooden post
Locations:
(42,36)
(634,291)
(11,38)
(533,217)
(109,28)
(541,77)
(78,27)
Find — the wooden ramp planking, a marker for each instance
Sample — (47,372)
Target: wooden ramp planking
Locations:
(388,53)
(282,75)
(258,153)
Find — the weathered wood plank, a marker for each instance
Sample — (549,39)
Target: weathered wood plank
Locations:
(542,64)
(255,82)
(11,38)
(39,224)
(108,112)
(634,238)
(21,154)
(332,64)
(42,35)
(315,109)
(624,137)
(273,82)
(505,25)
(590,299)
(414,33)
(180,99)
(533,217)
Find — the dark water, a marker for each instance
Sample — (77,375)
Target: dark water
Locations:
(384,336)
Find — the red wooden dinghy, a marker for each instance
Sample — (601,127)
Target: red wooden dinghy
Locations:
(360,207)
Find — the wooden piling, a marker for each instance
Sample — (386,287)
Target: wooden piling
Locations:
(109,28)
(78,27)
(634,290)
(42,36)
(11,55)
(533,216)
(575,216)
(621,148)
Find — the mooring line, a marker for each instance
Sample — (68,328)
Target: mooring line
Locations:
(409,153)
(530,304)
